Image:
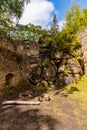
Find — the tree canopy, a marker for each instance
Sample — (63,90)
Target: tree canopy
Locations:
(66,40)
(8,10)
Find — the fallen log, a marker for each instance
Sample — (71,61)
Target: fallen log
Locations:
(21,103)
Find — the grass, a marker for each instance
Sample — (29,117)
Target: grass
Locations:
(77,90)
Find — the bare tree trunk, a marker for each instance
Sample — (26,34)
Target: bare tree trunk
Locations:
(21,103)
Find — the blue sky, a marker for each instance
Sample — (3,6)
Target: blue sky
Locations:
(40,12)
(62,5)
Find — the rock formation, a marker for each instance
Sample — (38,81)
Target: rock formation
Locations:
(83,41)
(20,65)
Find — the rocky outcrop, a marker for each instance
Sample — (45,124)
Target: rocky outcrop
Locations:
(62,67)
(69,70)
(83,41)
(21,65)
(49,70)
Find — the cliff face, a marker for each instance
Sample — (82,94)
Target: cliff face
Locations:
(38,64)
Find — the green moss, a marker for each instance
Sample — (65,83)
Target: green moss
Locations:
(72,89)
(82,84)
(75,59)
(46,63)
(66,71)
(45,68)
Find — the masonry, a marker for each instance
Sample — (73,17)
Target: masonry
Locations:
(16,61)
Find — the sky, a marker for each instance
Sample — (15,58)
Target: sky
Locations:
(40,12)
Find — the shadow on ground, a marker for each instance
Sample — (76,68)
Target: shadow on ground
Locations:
(14,118)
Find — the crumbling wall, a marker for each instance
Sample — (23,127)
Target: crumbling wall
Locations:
(15,61)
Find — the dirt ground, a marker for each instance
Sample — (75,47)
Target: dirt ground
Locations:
(62,112)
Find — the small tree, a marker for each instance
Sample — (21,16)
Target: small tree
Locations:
(73,18)
(54,26)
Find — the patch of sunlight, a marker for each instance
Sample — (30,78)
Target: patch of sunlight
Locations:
(79,89)
(79,116)
(83,105)
(72,103)
(76,111)
(60,113)
(44,127)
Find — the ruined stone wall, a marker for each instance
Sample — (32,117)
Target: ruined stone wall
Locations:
(15,61)
(37,64)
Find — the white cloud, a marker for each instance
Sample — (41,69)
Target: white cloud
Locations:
(61,24)
(38,12)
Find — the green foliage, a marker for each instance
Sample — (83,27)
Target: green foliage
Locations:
(10,9)
(78,55)
(66,42)
(75,19)
(27,32)
(14,7)
(46,64)
(48,40)
(84,17)
(72,89)
(66,71)
(5,21)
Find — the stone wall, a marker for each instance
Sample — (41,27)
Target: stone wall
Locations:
(16,61)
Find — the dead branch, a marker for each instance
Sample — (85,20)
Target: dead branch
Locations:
(21,103)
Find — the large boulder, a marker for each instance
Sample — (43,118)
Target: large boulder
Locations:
(71,66)
(34,74)
(74,66)
(49,70)
(66,79)
(69,71)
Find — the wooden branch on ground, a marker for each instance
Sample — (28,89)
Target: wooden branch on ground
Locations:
(21,102)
